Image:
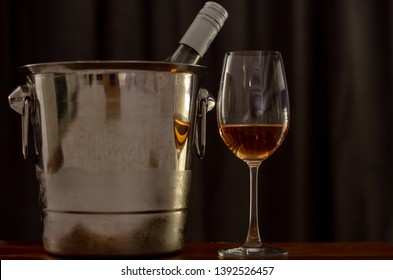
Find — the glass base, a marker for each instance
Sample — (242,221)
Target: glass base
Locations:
(243,252)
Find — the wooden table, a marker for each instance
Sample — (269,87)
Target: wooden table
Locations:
(300,251)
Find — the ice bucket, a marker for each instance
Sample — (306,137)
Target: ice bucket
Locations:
(114,143)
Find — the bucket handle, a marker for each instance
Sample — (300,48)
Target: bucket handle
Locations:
(20,101)
(206,103)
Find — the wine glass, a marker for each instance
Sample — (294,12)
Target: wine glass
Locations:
(253,119)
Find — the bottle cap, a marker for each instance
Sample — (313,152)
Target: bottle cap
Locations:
(216,12)
(205,27)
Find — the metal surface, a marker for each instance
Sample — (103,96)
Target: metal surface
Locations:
(114,144)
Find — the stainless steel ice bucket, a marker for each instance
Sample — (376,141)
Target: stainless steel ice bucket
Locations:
(114,145)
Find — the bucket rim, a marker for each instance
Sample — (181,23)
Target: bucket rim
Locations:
(115,65)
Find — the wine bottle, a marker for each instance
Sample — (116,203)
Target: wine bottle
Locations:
(200,34)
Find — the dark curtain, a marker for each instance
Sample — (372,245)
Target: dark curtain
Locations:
(331,180)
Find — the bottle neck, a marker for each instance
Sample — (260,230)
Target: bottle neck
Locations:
(185,54)
(200,34)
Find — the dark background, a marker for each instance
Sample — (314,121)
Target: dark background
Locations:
(331,180)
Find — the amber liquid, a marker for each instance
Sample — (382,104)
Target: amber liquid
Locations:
(253,142)
(182,130)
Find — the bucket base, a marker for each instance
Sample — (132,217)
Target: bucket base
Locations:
(114,234)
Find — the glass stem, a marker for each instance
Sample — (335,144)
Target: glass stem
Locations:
(253,236)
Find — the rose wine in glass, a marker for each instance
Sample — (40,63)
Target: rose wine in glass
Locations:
(253,120)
